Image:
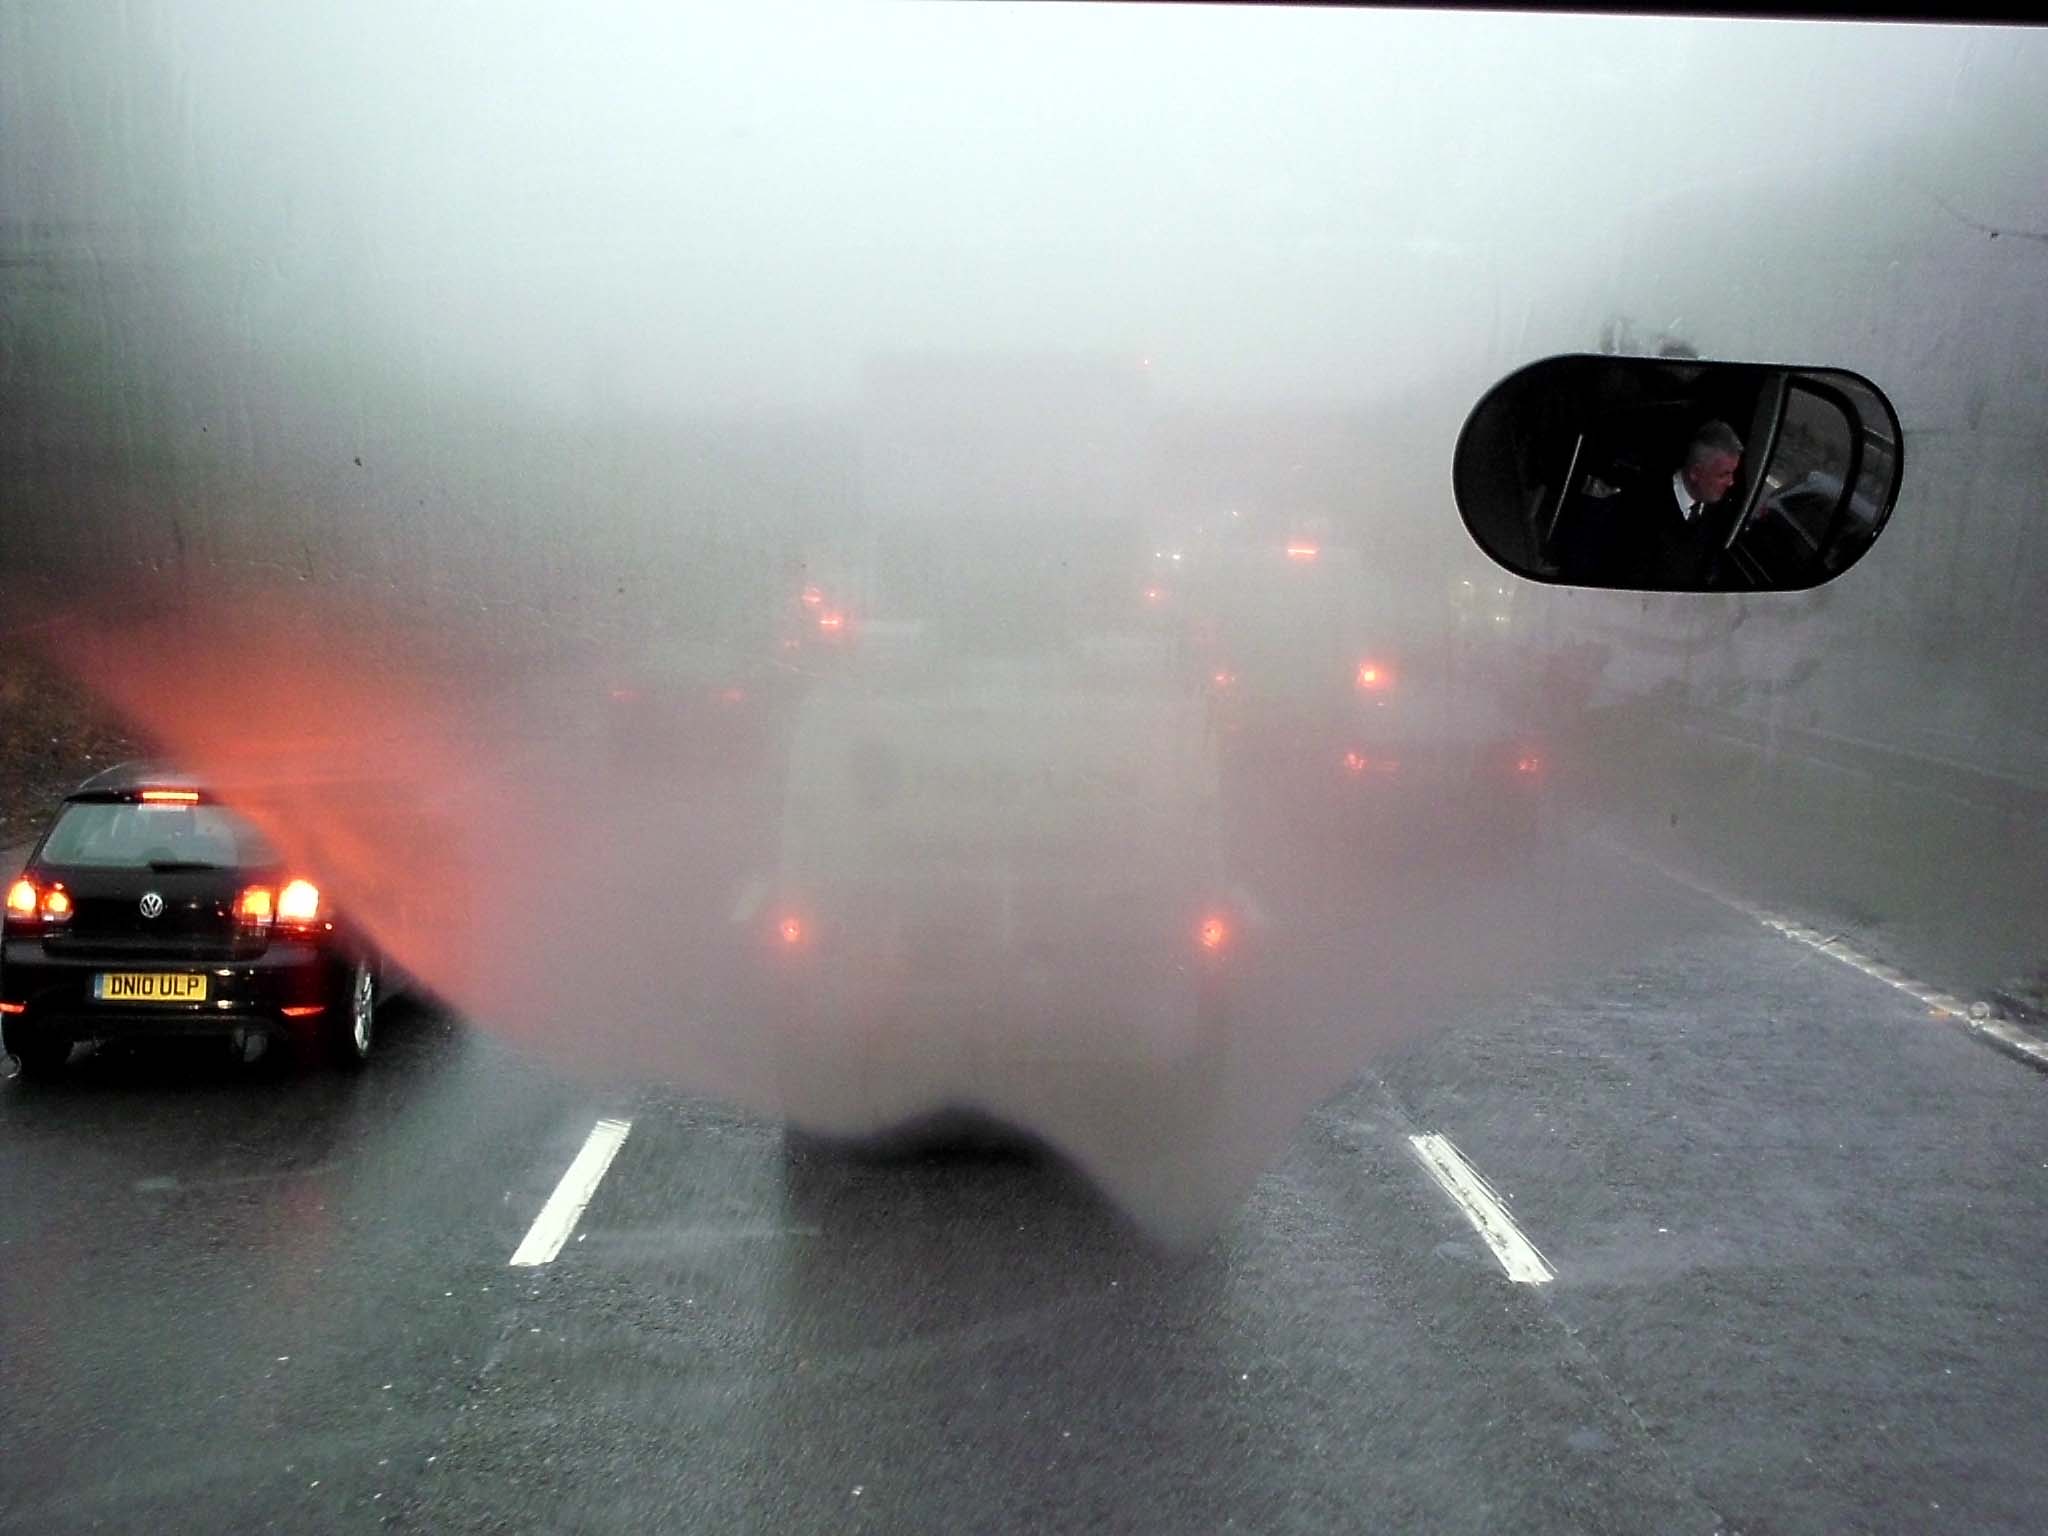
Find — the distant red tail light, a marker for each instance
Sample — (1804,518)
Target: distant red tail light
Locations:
(1213,933)
(1223,679)
(813,597)
(1372,677)
(1355,763)
(832,622)
(1302,551)
(1529,763)
(1154,594)
(791,930)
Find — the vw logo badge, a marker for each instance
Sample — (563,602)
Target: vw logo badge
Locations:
(152,905)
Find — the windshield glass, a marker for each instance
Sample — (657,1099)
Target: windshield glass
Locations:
(944,886)
(98,835)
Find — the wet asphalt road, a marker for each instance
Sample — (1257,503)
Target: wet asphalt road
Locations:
(1796,1226)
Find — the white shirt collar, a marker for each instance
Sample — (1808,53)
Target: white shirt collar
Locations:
(1684,495)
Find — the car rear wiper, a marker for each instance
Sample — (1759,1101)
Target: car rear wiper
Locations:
(172,866)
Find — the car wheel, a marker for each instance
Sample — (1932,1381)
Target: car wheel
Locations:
(355,1021)
(41,1056)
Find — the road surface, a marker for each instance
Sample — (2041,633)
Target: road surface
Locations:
(1779,1229)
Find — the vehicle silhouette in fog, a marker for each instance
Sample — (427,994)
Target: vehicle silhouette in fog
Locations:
(149,908)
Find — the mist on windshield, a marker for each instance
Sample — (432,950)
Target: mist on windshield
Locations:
(869,563)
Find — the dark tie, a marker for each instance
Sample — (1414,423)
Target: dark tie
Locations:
(1692,512)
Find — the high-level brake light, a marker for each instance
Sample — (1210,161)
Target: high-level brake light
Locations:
(170,797)
(1303,551)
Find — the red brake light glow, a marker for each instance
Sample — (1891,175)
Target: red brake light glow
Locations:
(170,797)
(1303,551)
(298,902)
(832,622)
(13,1007)
(812,597)
(56,904)
(1354,762)
(1530,763)
(790,930)
(256,905)
(21,899)
(1224,679)
(1372,677)
(1213,934)
(1153,594)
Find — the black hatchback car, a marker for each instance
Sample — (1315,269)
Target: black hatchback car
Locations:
(149,908)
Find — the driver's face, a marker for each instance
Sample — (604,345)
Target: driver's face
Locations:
(1711,477)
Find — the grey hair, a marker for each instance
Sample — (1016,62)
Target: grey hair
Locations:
(1714,440)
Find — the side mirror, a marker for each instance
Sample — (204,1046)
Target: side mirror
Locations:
(1661,475)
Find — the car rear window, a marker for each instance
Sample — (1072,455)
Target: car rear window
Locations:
(120,836)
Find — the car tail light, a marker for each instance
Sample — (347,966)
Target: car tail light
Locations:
(25,900)
(256,907)
(1355,763)
(1529,764)
(1223,679)
(1372,677)
(1302,551)
(303,1010)
(298,902)
(1154,594)
(812,597)
(13,1007)
(1213,933)
(791,931)
(832,622)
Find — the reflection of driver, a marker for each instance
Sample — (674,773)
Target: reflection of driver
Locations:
(1664,535)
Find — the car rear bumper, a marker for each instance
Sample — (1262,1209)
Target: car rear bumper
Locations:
(55,994)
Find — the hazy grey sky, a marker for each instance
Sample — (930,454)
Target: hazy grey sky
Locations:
(666,204)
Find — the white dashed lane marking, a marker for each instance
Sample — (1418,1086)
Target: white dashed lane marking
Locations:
(1482,1207)
(558,1218)
(1978,1017)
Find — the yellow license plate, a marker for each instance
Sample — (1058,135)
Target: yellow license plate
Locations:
(149,987)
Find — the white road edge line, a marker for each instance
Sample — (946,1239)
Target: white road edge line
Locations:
(1475,1197)
(558,1218)
(1976,1016)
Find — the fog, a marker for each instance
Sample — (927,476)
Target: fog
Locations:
(456,427)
